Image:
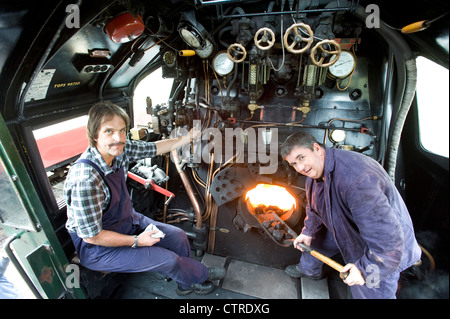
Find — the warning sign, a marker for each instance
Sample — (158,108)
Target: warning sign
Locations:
(39,88)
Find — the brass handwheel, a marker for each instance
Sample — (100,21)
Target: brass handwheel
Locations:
(298,38)
(319,49)
(236,52)
(267,39)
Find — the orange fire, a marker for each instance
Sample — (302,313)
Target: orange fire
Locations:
(270,195)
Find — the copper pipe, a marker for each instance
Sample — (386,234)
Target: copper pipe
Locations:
(189,190)
(167,187)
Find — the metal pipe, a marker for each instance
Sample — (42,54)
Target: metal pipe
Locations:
(189,189)
(16,264)
(216,2)
(247,15)
(295,124)
(406,64)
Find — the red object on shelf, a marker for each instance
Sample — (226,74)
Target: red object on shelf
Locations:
(124,27)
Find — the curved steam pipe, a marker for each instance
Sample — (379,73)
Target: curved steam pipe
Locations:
(188,186)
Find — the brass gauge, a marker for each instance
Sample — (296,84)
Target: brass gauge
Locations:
(169,58)
(344,66)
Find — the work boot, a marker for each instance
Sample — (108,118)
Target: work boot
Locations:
(294,272)
(203,288)
(215,273)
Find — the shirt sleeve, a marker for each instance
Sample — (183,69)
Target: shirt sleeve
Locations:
(137,150)
(86,203)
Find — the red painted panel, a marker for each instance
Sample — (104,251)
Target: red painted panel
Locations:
(62,146)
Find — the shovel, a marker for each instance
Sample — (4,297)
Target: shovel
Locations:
(330,262)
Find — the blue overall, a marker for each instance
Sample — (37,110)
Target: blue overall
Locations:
(170,256)
(357,211)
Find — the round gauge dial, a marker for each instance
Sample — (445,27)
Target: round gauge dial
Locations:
(190,37)
(343,66)
(169,58)
(222,64)
(206,51)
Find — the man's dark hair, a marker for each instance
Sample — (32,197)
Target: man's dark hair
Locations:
(100,113)
(300,139)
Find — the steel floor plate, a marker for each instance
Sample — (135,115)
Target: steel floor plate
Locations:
(259,281)
(243,280)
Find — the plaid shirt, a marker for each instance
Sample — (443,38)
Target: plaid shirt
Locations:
(87,194)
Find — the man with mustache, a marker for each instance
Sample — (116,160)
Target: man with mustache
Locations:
(354,209)
(108,234)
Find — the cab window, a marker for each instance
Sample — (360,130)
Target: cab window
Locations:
(433,104)
(155,87)
(59,145)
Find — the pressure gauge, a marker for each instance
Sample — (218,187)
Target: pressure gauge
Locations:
(192,32)
(206,51)
(169,58)
(344,66)
(222,64)
(191,37)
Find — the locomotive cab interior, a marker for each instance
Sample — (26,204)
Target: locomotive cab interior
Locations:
(247,74)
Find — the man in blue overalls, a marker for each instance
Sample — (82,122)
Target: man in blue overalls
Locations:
(354,209)
(105,229)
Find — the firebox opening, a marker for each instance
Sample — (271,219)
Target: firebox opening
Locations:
(270,195)
(274,210)
(266,199)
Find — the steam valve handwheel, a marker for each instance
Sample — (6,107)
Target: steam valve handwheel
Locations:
(236,52)
(298,38)
(266,41)
(319,49)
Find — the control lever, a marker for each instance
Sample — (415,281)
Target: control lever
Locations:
(150,184)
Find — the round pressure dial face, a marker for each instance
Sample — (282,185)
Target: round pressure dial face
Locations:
(190,37)
(169,58)
(343,66)
(205,52)
(222,64)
